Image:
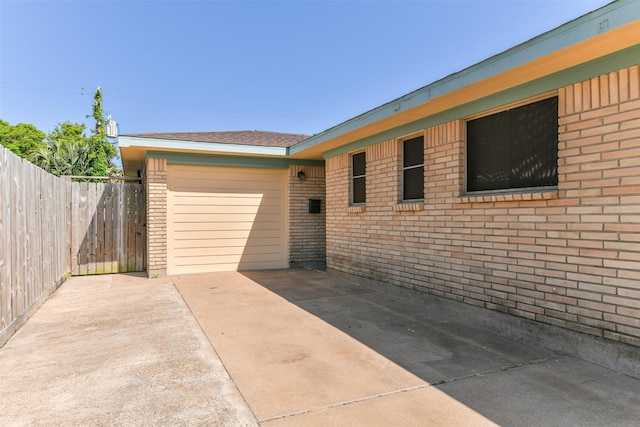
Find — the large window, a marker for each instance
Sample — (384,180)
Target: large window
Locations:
(413,168)
(514,149)
(358,178)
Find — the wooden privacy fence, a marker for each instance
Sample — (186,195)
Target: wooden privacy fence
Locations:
(52,227)
(34,239)
(107,228)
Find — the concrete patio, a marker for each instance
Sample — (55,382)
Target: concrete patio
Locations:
(287,348)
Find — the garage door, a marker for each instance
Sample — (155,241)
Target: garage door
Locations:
(225,218)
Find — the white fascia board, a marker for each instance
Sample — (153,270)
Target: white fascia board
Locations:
(213,147)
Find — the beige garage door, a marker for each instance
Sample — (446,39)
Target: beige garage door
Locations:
(225,218)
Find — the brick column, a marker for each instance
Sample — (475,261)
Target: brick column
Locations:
(307,233)
(156,183)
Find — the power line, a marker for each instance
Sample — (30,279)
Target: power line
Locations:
(66,89)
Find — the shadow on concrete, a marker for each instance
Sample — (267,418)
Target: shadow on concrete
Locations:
(511,382)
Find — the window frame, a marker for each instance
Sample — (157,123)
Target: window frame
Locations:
(487,113)
(353,177)
(404,168)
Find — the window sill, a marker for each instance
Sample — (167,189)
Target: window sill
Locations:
(509,197)
(356,209)
(408,207)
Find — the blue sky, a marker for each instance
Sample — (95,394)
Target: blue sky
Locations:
(290,66)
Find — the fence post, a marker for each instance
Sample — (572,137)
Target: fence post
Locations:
(68,203)
(3,292)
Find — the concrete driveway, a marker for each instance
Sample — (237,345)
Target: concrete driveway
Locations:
(309,348)
(298,348)
(115,350)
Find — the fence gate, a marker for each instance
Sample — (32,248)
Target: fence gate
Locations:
(107,228)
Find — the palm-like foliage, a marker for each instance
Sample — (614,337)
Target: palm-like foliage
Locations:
(63,158)
(69,152)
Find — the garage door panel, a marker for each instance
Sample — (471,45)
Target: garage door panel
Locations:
(215,220)
(232,200)
(225,208)
(225,218)
(247,218)
(221,185)
(210,193)
(207,243)
(210,230)
(226,258)
(197,171)
(246,189)
(217,199)
(187,172)
(272,244)
(195,253)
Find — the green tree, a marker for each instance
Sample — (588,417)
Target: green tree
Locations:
(97,112)
(105,152)
(22,139)
(69,151)
(66,150)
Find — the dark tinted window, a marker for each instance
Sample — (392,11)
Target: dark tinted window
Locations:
(514,149)
(413,184)
(413,151)
(413,169)
(359,164)
(359,183)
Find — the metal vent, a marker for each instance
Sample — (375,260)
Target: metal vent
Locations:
(112,129)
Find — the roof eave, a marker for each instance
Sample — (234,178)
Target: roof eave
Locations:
(202,147)
(597,23)
(133,150)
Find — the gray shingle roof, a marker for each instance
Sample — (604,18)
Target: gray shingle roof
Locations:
(242,137)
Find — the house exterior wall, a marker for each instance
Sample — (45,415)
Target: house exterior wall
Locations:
(568,257)
(307,243)
(156,193)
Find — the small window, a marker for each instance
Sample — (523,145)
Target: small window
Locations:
(514,149)
(413,169)
(358,178)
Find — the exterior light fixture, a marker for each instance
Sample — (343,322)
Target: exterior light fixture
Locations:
(301,176)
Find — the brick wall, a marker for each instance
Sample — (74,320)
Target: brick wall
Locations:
(306,230)
(156,186)
(569,257)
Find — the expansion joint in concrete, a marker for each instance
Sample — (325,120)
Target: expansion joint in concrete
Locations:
(493,371)
(344,403)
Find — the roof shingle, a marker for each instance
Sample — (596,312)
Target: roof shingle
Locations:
(242,137)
